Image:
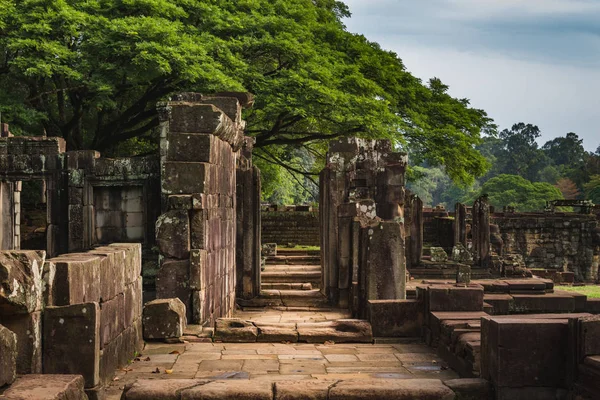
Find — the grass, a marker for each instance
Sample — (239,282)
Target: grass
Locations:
(592,291)
(300,248)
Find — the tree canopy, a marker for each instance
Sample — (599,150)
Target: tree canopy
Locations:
(516,191)
(92,71)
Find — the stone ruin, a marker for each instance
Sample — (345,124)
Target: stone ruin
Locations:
(189,221)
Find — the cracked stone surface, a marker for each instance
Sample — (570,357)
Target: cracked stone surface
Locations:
(278,362)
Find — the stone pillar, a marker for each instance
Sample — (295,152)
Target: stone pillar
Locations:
(248,224)
(201,138)
(481,232)
(81,206)
(460,224)
(362,186)
(17,215)
(414,230)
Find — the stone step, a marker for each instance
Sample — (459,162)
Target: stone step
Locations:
(235,330)
(297,268)
(294,260)
(290,252)
(286,286)
(46,387)
(287,298)
(264,389)
(291,276)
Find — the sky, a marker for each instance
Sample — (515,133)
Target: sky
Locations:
(531,61)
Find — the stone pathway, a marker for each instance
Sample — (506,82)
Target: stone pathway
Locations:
(282,362)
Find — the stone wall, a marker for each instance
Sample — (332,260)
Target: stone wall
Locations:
(362,223)
(283,227)
(89,200)
(79,313)
(196,235)
(560,241)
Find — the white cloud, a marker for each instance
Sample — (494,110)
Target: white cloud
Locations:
(532,61)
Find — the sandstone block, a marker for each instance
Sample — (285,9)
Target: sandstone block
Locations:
(112,319)
(72,341)
(589,336)
(76,279)
(133,302)
(536,358)
(46,387)
(471,389)
(21,281)
(164,319)
(339,331)
(455,298)
(8,356)
(159,389)
(277,332)
(131,261)
(391,389)
(188,178)
(235,330)
(198,269)
(193,147)
(303,390)
(230,389)
(172,280)
(396,318)
(28,330)
(173,234)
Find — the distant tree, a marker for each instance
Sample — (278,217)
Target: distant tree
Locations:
(550,174)
(521,155)
(592,189)
(568,188)
(516,191)
(566,150)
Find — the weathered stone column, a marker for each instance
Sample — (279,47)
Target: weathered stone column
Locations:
(481,232)
(362,187)
(460,224)
(248,223)
(414,230)
(201,138)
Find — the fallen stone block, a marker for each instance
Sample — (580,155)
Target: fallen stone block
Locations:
(230,389)
(72,341)
(339,331)
(46,387)
(164,319)
(235,330)
(8,356)
(438,254)
(28,329)
(396,318)
(391,389)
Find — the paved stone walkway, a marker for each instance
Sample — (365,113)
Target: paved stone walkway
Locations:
(278,361)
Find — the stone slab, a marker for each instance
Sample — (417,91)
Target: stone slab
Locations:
(8,356)
(46,387)
(391,389)
(72,341)
(396,318)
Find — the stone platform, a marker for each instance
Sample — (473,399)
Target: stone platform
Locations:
(261,364)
